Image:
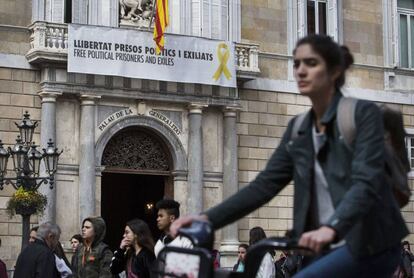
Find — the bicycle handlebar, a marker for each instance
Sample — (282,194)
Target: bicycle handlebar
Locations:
(200,233)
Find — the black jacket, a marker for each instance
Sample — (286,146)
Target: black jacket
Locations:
(141,263)
(366,213)
(36,261)
(407,258)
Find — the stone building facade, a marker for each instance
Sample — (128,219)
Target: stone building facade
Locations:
(130,142)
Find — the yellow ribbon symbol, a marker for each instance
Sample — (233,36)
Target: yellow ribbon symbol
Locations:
(223,58)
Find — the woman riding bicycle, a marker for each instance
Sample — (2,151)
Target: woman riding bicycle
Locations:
(341,196)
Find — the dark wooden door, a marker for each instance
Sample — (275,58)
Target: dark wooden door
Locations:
(124,197)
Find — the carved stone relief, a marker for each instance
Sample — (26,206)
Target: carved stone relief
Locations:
(135,149)
(135,12)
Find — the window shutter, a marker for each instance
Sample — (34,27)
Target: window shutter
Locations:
(206,14)
(93,12)
(210,18)
(196,17)
(57,12)
(224,20)
(234,21)
(333,19)
(302,9)
(104,13)
(395,34)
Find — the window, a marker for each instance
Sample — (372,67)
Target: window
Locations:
(309,17)
(316,15)
(210,18)
(68,11)
(410,150)
(405,10)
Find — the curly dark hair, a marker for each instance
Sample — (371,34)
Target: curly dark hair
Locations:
(171,206)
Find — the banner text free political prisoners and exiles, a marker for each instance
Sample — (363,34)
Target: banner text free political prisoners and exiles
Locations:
(131,53)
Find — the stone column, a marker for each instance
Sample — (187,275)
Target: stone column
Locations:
(48,131)
(195,159)
(87,182)
(229,243)
(180,188)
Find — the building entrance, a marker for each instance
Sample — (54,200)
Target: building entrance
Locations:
(136,175)
(128,196)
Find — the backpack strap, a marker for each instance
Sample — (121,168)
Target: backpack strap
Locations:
(346,120)
(297,124)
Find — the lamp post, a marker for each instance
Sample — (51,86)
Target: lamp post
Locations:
(26,167)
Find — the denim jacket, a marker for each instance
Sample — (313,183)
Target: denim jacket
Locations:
(366,213)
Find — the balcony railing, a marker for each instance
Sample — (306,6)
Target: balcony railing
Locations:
(49,43)
(247,60)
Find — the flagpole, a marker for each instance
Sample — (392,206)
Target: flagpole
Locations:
(152,14)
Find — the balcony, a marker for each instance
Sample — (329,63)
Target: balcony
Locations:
(49,44)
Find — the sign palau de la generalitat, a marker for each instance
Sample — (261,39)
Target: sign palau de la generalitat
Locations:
(118,115)
(131,53)
(166,121)
(114,117)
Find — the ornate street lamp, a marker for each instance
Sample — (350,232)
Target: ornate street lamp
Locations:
(26,167)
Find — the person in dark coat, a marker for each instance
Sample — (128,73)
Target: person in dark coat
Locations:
(37,260)
(407,258)
(74,243)
(341,194)
(136,251)
(93,257)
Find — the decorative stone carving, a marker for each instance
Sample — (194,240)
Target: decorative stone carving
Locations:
(135,12)
(135,149)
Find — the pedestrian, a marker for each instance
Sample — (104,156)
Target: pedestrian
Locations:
(93,256)
(241,257)
(288,264)
(267,266)
(3,268)
(38,259)
(136,251)
(32,235)
(341,195)
(75,241)
(168,212)
(216,258)
(407,258)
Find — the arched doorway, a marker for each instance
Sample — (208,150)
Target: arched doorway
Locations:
(137,174)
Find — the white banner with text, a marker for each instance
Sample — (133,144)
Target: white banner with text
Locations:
(131,53)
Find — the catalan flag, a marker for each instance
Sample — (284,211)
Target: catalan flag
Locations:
(161,22)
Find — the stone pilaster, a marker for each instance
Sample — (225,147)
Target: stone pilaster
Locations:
(48,131)
(229,242)
(87,182)
(195,159)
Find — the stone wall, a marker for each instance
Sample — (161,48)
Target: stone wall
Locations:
(261,124)
(16,12)
(18,93)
